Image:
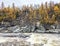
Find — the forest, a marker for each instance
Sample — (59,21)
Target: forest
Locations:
(48,13)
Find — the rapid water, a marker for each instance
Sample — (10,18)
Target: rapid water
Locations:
(36,38)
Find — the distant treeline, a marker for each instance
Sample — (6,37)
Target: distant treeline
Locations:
(44,13)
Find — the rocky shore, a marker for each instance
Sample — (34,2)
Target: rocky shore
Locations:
(27,29)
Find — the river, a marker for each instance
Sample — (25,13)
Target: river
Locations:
(35,38)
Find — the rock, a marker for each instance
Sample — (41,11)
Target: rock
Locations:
(39,31)
(25,29)
(14,29)
(54,30)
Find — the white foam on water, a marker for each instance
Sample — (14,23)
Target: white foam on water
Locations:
(2,39)
(46,39)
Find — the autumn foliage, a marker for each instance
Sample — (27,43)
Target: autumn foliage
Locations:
(44,13)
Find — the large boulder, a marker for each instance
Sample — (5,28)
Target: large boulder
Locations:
(14,29)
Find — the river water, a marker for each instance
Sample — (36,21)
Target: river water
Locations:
(36,38)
